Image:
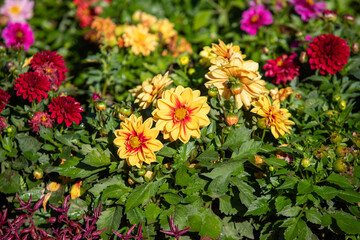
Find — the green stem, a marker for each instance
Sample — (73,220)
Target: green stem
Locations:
(263,135)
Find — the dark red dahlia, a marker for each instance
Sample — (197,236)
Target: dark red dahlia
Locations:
(51,65)
(32,85)
(282,69)
(328,53)
(3,124)
(65,109)
(4,99)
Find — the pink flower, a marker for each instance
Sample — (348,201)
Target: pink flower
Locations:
(17,10)
(3,124)
(40,118)
(308,8)
(282,69)
(18,34)
(255,17)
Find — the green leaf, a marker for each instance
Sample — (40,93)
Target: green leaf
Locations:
(46,133)
(258,207)
(276,162)
(304,186)
(347,222)
(116,191)
(326,192)
(109,219)
(212,225)
(281,202)
(152,211)
(99,187)
(291,232)
(219,185)
(247,149)
(28,143)
(201,19)
(96,159)
(349,196)
(142,194)
(77,208)
(288,183)
(237,137)
(326,220)
(313,215)
(245,229)
(224,168)
(225,205)
(172,198)
(166,152)
(208,156)
(74,169)
(339,180)
(9,181)
(246,192)
(290,211)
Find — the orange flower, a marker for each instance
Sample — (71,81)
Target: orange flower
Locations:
(137,141)
(276,117)
(180,114)
(166,30)
(140,40)
(75,191)
(146,19)
(104,28)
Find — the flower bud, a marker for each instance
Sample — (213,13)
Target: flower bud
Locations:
(340,166)
(236,88)
(349,18)
(231,119)
(305,162)
(184,60)
(341,151)
(303,57)
(265,50)
(335,138)
(342,105)
(330,16)
(38,174)
(10,66)
(100,106)
(355,47)
(212,92)
(261,123)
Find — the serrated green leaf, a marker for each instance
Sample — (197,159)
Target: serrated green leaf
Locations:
(166,151)
(28,143)
(347,222)
(246,192)
(313,215)
(339,180)
(247,149)
(350,196)
(290,211)
(237,137)
(225,205)
(115,191)
(288,183)
(152,211)
(276,162)
(326,220)
(208,155)
(109,219)
(219,185)
(224,168)
(258,207)
(326,192)
(245,229)
(281,202)
(304,187)
(212,225)
(172,198)
(96,159)
(71,168)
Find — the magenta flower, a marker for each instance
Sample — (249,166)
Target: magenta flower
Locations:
(18,34)
(308,8)
(17,10)
(40,118)
(255,17)
(282,69)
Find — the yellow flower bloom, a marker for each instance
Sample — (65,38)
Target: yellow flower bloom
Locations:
(180,114)
(206,55)
(75,191)
(276,117)
(281,94)
(140,40)
(150,89)
(166,30)
(244,72)
(145,19)
(104,28)
(226,51)
(137,141)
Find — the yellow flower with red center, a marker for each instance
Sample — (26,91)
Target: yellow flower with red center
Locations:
(150,89)
(137,141)
(140,40)
(75,191)
(180,113)
(243,72)
(276,118)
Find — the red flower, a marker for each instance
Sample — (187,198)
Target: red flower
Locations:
(51,65)
(2,124)
(65,109)
(32,85)
(282,69)
(40,118)
(328,53)
(4,99)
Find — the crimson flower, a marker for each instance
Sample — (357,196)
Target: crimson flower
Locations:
(2,123)
(328,53)
(32,85)
(65,109)
(282,69)
(4,99)
(51,65)
(40,118)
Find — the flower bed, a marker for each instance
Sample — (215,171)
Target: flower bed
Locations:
(183,120)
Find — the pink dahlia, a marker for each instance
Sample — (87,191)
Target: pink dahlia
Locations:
(32,85)
(308,8)
(40,118)
(65,109)
(18,34)
(2,124)
(17,10)
(51,65)
(255,17)
(282,69)
(4,99)
(328,53)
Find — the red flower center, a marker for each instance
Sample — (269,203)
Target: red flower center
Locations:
(180,113)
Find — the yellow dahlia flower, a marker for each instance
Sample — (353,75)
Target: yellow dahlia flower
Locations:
(146,19)
(150,89)
(244,72)
(276,118)
(137,141)
(166,29)
(226,51)
(104,28)
(140,40)
(281,94)
(206,55)
(180,114)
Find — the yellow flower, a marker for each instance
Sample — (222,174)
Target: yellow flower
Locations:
(166,30)
(137,141)
(243,72)
(180,114)
(140,40)
(104,28)
(52,187)
(146,19)
(206,55)
(276,117)
(226,51)
(281,94)
(150,89)
(75,191)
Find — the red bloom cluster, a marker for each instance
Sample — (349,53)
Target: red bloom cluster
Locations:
(51,65)
(328,53)
(65,109)
(40,118)
(282,69)
(32,85)
(4,99)
(86,11)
